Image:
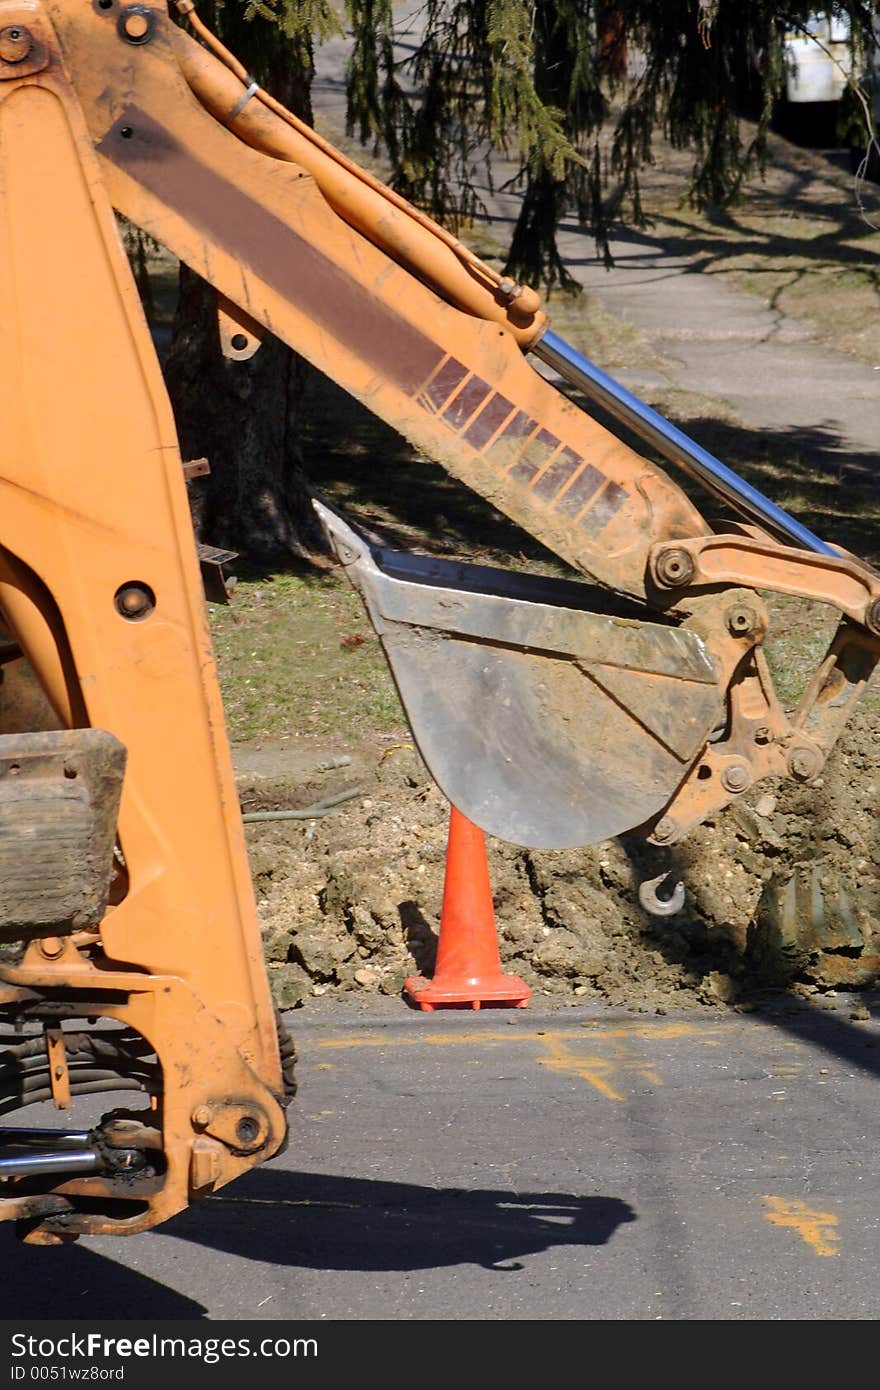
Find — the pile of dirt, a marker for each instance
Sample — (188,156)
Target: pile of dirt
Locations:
(781,888)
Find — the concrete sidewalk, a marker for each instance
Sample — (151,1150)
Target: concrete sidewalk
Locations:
(722,342)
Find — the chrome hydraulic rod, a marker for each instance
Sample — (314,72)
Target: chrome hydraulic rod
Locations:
(30,1165)
(673,444)
(77,1137)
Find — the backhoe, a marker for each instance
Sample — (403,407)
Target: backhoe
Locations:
(633,697)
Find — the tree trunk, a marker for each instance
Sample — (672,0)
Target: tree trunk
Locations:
(244,417)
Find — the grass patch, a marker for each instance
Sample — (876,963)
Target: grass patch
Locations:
(299,655)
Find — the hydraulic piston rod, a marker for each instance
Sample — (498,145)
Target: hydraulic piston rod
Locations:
(673,444)
(28,1164)
(78,1138)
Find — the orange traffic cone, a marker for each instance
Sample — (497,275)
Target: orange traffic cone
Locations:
(468,968)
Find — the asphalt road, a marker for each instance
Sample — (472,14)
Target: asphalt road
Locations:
(573,1163)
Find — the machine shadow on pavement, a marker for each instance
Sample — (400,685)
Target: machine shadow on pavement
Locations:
(351,1223)
(315,1221)
(77,1283)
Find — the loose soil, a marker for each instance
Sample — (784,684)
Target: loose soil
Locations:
(781,888)
(351,896)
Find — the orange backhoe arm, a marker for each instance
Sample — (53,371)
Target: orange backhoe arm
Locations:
(258,226)
(122,860)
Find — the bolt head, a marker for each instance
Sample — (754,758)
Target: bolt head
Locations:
(804,763)
(664,829)
(735,777)
(247,1129)
(136,25)
(135,600)
(674,567)
(741,620)
(132,602)
(15,43)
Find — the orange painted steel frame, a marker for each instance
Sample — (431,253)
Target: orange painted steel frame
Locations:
(94,503)
(109,106)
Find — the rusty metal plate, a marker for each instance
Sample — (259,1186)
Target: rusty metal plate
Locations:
(59,800)
(546,724)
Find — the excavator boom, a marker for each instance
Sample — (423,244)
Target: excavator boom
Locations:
(634,696)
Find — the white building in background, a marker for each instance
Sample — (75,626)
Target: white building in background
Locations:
(819,62)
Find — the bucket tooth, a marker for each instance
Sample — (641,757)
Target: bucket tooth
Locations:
(806,925)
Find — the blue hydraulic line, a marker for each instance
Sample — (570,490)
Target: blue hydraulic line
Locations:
(672,443)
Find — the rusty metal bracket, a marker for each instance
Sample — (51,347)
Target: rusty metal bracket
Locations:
(196,468)
(240,335)
(837,685)
(189,1043)
(205,1164)
(213,562)
(59,1074)
(846,584)
(242,1126)
(759,740)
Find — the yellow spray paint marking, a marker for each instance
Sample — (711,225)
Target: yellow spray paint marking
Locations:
(817,1228)
(595,1069)
(599,1069)
(664,1032)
